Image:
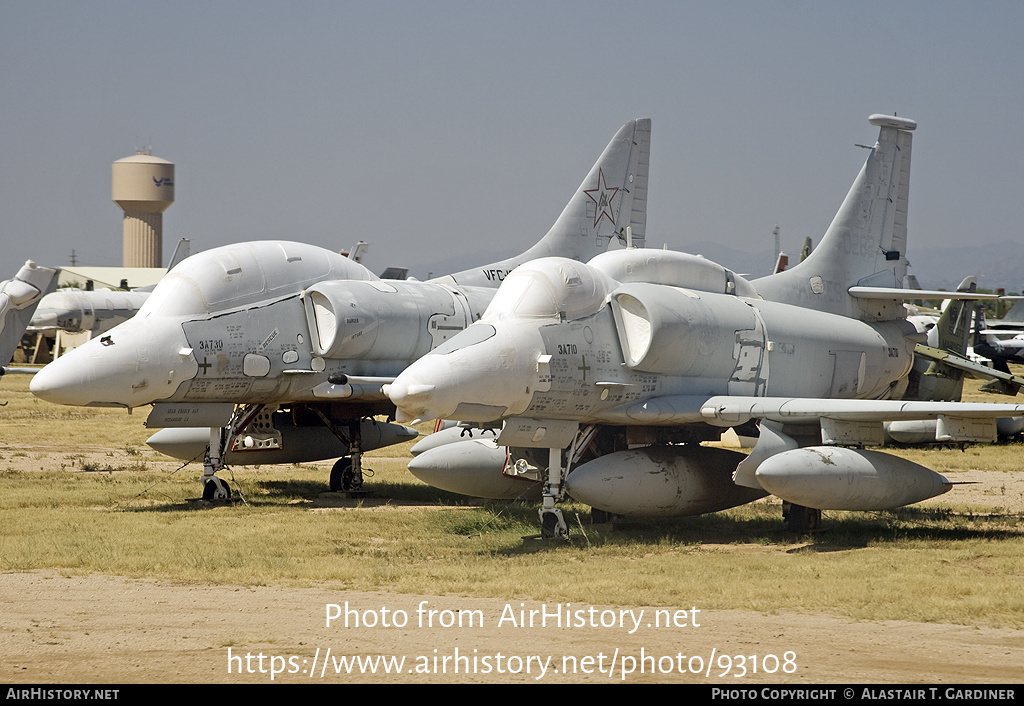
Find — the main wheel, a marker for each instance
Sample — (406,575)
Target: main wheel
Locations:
(801,519)
(342,477)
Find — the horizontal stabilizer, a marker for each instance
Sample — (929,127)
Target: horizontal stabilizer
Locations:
(1011,384)
(896,293)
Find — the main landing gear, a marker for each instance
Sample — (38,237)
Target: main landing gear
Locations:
(347,472)
(252,427)
(800,519)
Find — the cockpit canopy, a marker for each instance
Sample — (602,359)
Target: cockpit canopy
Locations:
(244,273)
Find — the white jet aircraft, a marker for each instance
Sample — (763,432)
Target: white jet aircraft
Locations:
(275,352)
(619,368)
(19,297)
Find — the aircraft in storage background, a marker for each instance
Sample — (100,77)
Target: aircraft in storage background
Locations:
(1001,346)
(275,352)
(613,372)
(19,297)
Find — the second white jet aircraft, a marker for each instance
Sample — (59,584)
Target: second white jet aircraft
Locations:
(621,367)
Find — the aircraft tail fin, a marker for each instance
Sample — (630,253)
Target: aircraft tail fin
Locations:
(182,250)
(983,336)
(936,378)
(1014,318)
(19,298)
(953,329)
(866,243)
(611,199)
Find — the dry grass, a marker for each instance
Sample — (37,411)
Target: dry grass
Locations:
(80,492)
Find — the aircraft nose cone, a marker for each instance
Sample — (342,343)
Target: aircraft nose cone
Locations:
(411,391)
(58,384)
(131,366)
(411,397)
(78,378)
(480,375)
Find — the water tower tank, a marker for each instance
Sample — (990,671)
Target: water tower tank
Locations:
(143,186)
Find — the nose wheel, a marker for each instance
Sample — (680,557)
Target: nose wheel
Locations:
(347,472)
(552,524)
(213,487)
(216,489)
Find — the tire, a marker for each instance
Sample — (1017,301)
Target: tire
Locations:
(549,525)
(341,475)
(801,519)
(212,490)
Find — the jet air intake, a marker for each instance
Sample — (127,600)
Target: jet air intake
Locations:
(673,331)
(377,320)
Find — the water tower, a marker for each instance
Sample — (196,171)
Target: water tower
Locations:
(143,186)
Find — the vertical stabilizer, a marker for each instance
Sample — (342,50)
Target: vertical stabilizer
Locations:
(933,379)
(953,329)
(611,198)
(1014,318)
(181,251)
(866,243)
(19,298)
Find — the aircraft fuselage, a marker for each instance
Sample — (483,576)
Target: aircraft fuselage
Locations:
(245,324)
(652,341)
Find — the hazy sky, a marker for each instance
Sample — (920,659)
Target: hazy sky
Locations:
(429,128)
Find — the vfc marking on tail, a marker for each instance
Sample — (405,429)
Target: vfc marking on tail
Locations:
(495,275)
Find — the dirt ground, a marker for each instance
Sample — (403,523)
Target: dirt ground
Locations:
(101,629)
(65,628)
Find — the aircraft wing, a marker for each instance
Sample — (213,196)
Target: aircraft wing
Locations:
(731,410)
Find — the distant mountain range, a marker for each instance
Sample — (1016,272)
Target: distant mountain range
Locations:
(1000,265)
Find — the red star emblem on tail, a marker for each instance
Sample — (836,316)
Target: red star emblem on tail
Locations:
(602,197)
